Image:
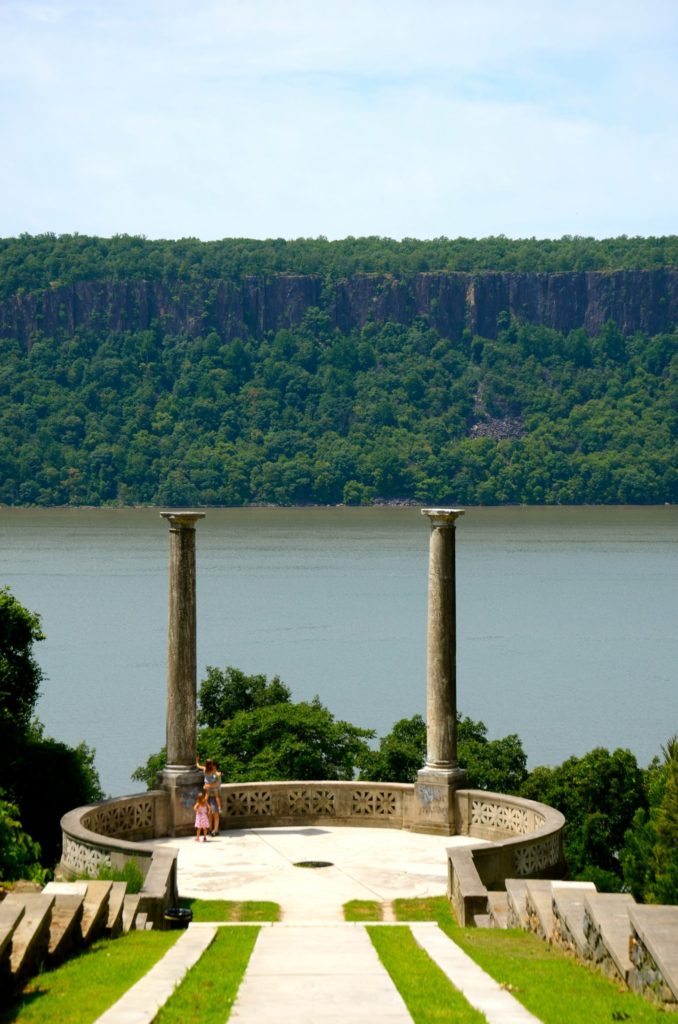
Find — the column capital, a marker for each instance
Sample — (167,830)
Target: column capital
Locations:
(182,519)
(443,516)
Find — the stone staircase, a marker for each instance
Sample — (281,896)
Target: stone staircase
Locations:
(635,944)
(43,928)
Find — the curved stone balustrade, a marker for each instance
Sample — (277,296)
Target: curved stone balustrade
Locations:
(112,832)
(523,839)
(526,842)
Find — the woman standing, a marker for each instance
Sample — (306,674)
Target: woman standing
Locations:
(212,789)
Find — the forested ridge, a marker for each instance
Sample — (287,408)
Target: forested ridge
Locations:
(483,371)
(35,261)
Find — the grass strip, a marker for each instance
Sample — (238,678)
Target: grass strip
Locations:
(550,982)
(547,980)
(363,910)
(210,911)
(431,908)
(208,991)
(429,995)
(82,988)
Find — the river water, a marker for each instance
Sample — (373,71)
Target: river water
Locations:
(567,619)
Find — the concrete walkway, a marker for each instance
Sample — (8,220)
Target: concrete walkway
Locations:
(317,974)
(313,966)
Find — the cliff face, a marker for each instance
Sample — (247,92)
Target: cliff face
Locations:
(645,300)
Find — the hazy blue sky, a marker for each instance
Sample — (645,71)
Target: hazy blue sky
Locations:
(267,118)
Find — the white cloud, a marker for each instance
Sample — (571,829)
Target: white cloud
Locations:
(402,118)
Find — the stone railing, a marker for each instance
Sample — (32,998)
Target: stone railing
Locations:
(372,804)
(525,841)
(112,833)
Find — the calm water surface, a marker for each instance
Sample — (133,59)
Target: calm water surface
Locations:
(567,619)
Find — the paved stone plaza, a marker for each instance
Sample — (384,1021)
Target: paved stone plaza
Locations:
(367,864)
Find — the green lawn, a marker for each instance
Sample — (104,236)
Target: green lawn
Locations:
(81,989)
(548,981)
(208,991)
(363,910)
(232,910)
(426,990)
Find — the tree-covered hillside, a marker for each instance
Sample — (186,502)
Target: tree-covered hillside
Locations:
(185,413)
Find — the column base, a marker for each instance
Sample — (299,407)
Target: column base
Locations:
(183,783)
(434,805)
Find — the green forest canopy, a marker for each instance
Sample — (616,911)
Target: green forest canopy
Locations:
(311,414)
(36,261)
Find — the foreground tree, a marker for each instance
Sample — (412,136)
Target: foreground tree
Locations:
(40,778)
(19,854)
(254,731)
(599,794)
(498,765)
(401,753)
(285,741)
(225,692)
(20,678)
(649,857)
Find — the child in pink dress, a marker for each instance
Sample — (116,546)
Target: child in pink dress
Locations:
(202,817)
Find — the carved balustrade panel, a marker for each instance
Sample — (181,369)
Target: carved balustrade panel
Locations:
(537,857)
(83,859)
(501,816)
(312,801)
(242,803)
(374,803)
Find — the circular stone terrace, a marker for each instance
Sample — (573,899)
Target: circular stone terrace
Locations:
(363,864)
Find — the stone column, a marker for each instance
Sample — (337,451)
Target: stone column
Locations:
(180,775)
(441,775)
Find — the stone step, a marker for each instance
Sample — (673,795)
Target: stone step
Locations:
(607,930)
(129,911)
(116,904)
(538,902)
(516,898)
(65,932)
(95,910)
(10,915)
(653,950)
(30,938)
(141,921)
(498,907)
(568,912)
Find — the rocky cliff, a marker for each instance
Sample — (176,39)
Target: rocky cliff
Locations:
(644,300)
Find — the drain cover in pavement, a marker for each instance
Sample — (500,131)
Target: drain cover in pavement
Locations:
(313,864)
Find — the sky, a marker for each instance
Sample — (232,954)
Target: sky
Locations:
(301,118)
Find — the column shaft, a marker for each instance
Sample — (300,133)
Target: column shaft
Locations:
(181,644)
(434,806)
(441,689)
